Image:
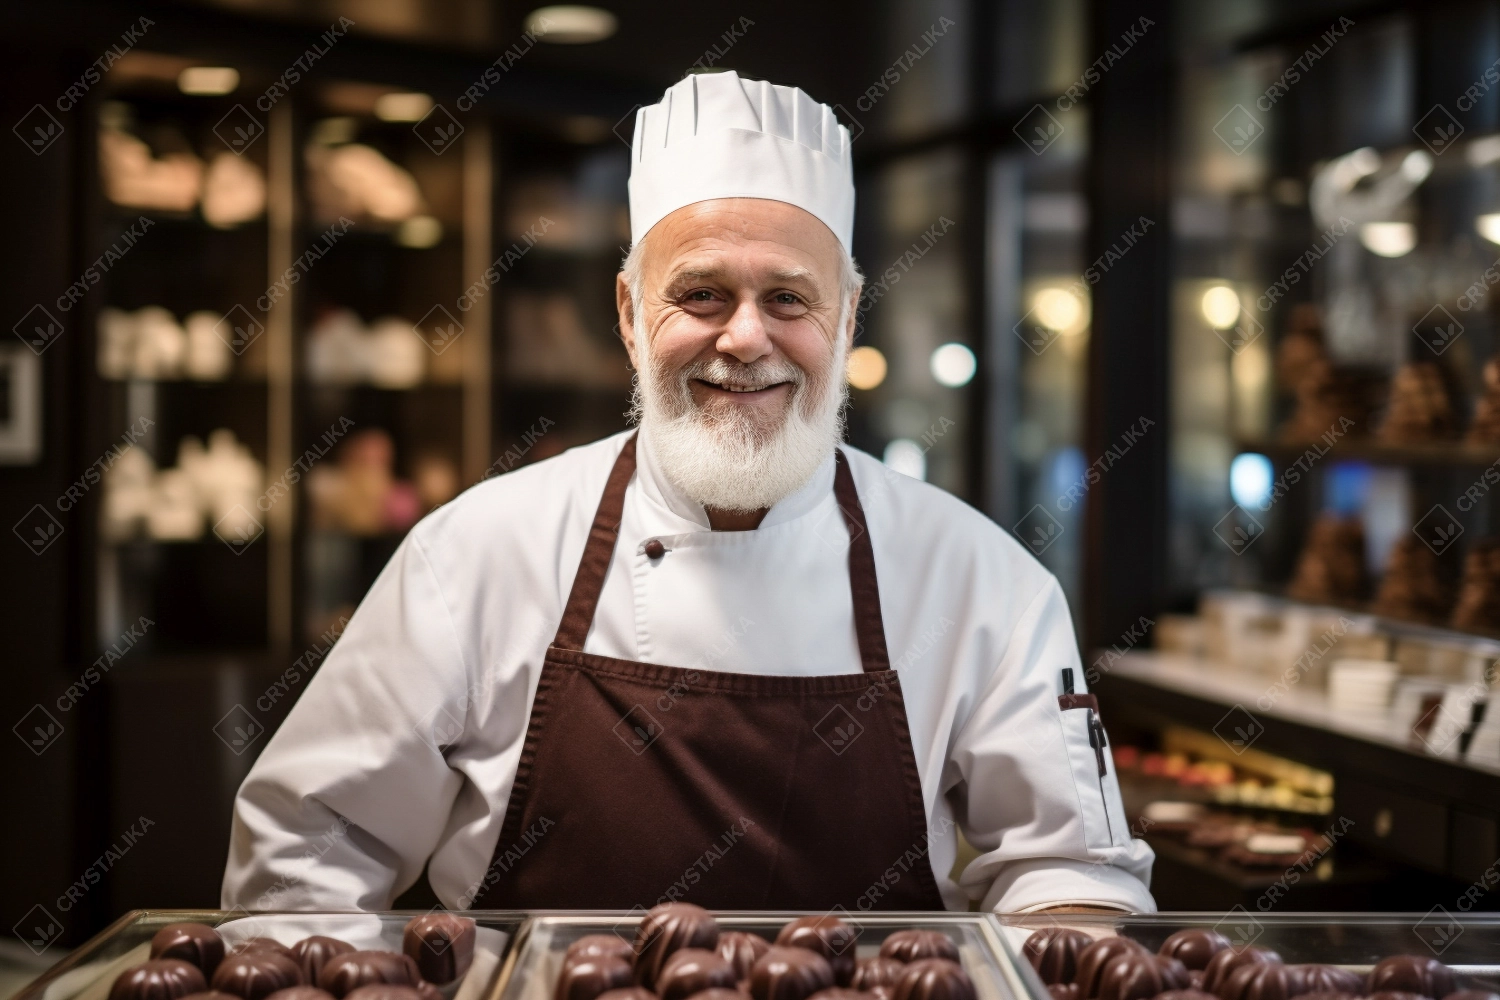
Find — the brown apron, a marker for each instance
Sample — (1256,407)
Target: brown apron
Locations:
(640,783)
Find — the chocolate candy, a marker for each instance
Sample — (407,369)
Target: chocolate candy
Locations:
(829,937)
(256,973)
(1093,959)
(914,945)
(290,993)
(1063,991)
(1194,946)
(1320,995)
(840,993)
(586,978)
(1188,994)
(740,949)
(427,991)
(1419,974)
(342,974)
(789,974)
(599,946)
(637,993)
(934,979)
(1195,980)
(668,928)
(216,995)
(1262,981)
(692,970)
(1138,975)
(1329,979)
(196,944)
(262,944)
(875,972)
(1472,994)
(1217,972)
(158,979)
(442,945)
(714,994)
(1395,995)
(1053,952)
(312,953)
(383,991)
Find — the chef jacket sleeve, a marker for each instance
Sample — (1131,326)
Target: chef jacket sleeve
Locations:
(1030,797)
(351,795)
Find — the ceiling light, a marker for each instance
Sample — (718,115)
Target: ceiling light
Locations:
(866,367)
(208,81)
(1057,308)
(571,24)
(400,107)
(953,365)
(1489,226)
(1221,307)
(1388,239)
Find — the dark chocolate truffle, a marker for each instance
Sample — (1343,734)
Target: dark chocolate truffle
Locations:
(1194,946)
(914,945)
(934,979)
(1262,981)
(1063,991)
(1420,974)
(342,974)
(638,993)
(290,993)
(1472,995)
(427,991)
(717,993)
(668,928)
(840,993)
(1395,995)
(1093,959)
(256,973)
(876,971)
(1138,975)
(383,991)
(196,944)
(1053,952)
(217,995)
(692,970)
(1195,980)
(789,974)
(1187,994)
(158,979)
(262,944)
(585,979)
(1320,995)
(599,946)
(442,945)
(1330,979)
(829,937)
(740,949)
(1225,962)
(312,953)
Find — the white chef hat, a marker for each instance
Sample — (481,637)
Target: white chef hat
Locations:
(716,135)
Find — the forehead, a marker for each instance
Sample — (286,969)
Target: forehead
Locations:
(744,236)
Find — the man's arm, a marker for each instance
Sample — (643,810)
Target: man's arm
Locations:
(1029,795)
(350,796)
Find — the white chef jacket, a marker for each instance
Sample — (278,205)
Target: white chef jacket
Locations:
(405,744)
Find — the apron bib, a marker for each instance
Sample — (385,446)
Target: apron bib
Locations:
(753,792)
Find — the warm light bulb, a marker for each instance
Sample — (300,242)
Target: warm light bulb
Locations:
(866,367)
(1489,226)
(1221,307)
(571,24)
(1388,239)
(402,107)
(953,365)
(208,81)
(1057,308)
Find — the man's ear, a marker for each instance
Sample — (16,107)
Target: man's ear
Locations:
(624,308)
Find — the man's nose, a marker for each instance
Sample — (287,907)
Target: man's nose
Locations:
(745,336)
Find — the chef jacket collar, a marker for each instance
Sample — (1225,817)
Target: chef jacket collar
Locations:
(664,494)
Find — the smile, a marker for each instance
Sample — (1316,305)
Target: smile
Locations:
(736,387)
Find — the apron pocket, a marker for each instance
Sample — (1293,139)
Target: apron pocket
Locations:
(1103,814)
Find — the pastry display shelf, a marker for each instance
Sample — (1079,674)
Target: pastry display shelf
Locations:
(1439,813)
(1468,943)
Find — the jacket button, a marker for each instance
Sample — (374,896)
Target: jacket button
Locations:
(655,549)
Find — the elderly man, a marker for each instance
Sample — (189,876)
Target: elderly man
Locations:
(719,658)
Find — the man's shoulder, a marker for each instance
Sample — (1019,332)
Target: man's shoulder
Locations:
(914,514)
(524,499)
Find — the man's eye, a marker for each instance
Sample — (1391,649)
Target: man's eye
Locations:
(786,299)
(701,295)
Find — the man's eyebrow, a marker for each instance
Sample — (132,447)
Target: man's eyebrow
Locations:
(691,271)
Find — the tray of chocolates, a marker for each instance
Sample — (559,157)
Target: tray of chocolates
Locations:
(1244,956)
(678,951)
(216,955)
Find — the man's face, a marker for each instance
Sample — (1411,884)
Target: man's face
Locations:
(740,313)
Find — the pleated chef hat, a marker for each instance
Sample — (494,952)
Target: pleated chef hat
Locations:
(716,135)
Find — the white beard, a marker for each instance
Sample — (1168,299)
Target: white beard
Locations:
(727,459)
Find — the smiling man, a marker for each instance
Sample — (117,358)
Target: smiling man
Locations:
(719,658)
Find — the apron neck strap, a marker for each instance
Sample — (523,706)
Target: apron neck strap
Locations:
(588,583)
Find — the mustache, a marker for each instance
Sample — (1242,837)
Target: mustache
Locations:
(756,373)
